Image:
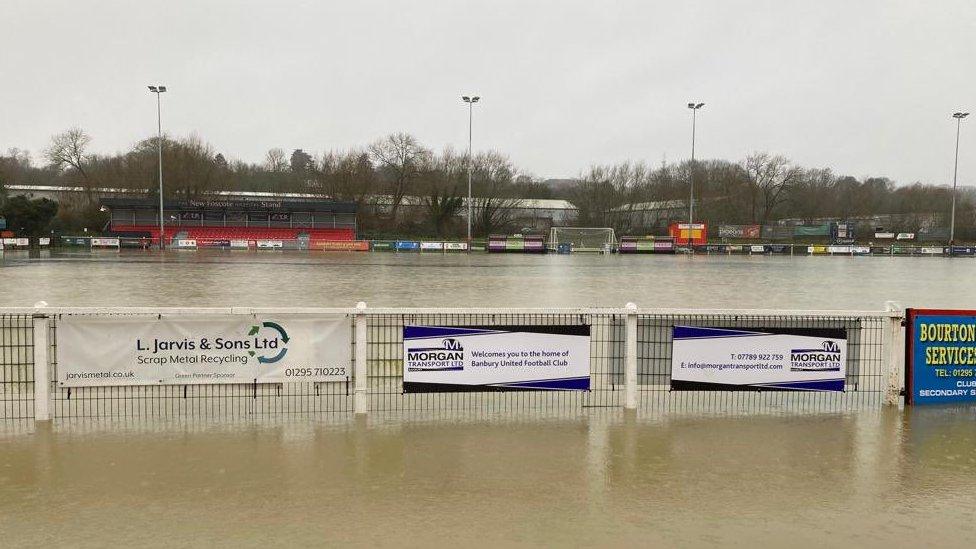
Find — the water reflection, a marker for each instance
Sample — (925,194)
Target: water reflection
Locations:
(872,478)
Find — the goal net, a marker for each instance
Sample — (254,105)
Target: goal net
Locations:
(582,239)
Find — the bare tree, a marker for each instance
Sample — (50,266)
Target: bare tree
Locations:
(771,178)
(69,150)
(399,157)
(275,160)
(493,201)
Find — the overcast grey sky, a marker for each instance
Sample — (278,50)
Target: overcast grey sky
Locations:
(863,87)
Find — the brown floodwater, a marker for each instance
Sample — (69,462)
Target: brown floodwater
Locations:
(872,479)
(340,279)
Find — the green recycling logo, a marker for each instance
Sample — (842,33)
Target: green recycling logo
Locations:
(269,344)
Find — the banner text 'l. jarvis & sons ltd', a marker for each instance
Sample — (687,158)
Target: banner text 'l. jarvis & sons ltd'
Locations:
(180,350)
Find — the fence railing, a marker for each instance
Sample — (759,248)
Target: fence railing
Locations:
(630,366)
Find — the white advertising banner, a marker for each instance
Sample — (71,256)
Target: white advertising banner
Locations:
(105,242)
(431,246)
(455,245)
(239,244)
(799,359)
(270,244)
(186,243)
(496,358)
(205,349)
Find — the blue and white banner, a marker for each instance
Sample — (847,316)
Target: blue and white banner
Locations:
(496,358)
(767,359)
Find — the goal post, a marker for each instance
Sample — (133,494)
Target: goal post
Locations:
(583,239)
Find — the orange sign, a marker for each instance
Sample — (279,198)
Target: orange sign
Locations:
(341,245)
(681,232)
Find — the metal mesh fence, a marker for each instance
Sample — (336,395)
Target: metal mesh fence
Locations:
(16,366)
(199,401)
(385,366)
(865,383)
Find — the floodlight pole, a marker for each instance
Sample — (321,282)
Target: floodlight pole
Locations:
(159,144)
(470,101)
(955,173)
(691,179)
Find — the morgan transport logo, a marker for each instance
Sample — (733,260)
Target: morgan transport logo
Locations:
(825,359)
(448,356)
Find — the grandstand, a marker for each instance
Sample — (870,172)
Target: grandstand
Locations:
(294,223)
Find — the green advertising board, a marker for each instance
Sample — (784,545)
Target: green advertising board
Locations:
(811,230)
(384,245)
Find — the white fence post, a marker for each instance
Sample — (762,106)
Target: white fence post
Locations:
(360,380)
(630,359)
(895,338)
(42,381)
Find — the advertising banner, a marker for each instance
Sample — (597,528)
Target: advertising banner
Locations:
(682,232)
(105,242)
(933,250)
(407,246)
(739,231)
(341,245)
(270,244)
(384,245)
(186,243)
(940,362)
(432,246)
(243,244)
(838,249)
(811,230)
(905,236)
(884,236)
(770,232)
(456,246)
(207,349)
(757,249)
(761,359)
(496,358)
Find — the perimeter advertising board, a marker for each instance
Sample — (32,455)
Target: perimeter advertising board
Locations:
(205,349)
(940,361)
(495,358)
(761,359)
(341,245)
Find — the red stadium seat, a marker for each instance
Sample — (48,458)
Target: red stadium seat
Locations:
(241,233)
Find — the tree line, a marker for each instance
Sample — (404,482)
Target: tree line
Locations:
(402,186)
